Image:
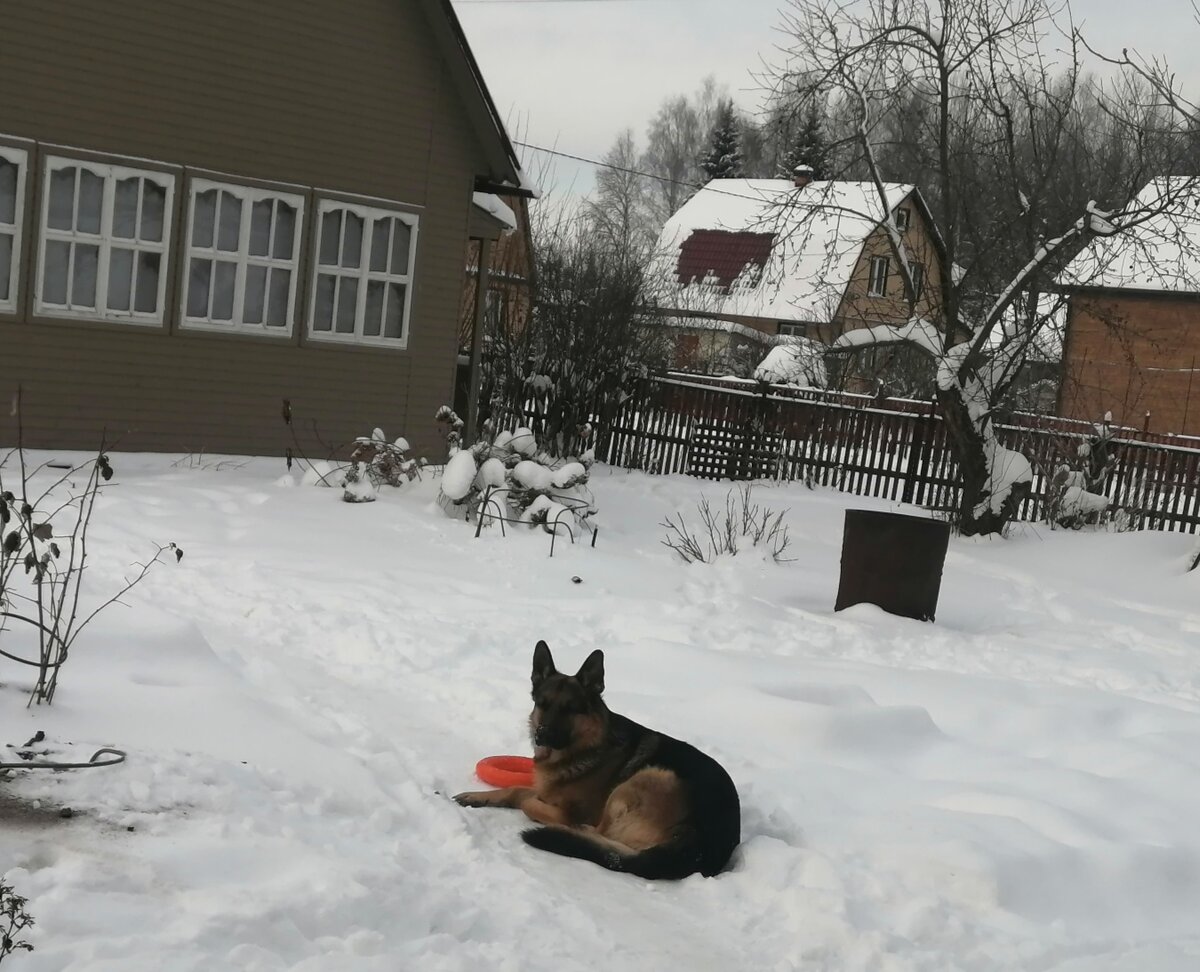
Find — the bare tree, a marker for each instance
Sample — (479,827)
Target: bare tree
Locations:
(676,140)
(617,214)
(990,92)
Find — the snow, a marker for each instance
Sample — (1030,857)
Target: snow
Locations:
(1013,787)
(533,475)
(495,207)
(492,473)
(799,362)
(1077,501)
(459,475)
(819,230)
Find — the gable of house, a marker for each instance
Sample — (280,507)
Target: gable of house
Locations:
(817,237)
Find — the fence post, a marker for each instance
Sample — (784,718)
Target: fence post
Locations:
(914,490)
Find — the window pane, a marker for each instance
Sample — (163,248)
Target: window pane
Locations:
(401,240)
(380,233)
(224,280)
(203,218)
(8,192)
(331,234)
(6,248)
(352,244)
(91,194)
(199,279)
(146,298)
(347,304)
(83,275)
(154,202)
(323,306)
(54,272)
(256,293)
(120,279)
(260,228)
(230,227)
(62,198)
(285,231)
(281,285)
(374,318)
(394,322)
(125,203)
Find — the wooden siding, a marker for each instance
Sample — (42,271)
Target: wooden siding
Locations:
(352,97)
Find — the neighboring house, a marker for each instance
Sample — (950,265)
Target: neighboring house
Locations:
(747,263)
(208,208)
(1133,324)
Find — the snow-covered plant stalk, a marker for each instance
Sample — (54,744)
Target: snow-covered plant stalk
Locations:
(14,920)
(44,533)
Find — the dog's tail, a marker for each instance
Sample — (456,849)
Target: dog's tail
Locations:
(671,861)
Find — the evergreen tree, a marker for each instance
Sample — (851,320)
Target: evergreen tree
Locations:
(724,158)
(809,145)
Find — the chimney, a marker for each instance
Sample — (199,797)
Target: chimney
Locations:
(802,175)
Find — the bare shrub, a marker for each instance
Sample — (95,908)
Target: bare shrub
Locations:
(740,523)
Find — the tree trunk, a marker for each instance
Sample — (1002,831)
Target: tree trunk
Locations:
(975,516)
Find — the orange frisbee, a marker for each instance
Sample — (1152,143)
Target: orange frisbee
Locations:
(505,770)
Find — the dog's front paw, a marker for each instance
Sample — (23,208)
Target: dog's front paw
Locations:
(472,800)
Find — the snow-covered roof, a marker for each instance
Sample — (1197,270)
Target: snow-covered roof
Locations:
(1158,251)
(818,233)
(495,207)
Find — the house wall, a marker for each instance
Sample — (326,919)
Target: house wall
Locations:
(353,97)
(1133,354)
(860,309)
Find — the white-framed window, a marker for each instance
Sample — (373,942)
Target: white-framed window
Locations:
(877,285)
(792,329)
(902,219)
(243,258)
(13,164)
(104,241)
(362,285)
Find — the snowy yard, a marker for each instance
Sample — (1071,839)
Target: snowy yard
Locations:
(1014,787)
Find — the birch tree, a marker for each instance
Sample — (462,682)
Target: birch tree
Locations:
(994,86)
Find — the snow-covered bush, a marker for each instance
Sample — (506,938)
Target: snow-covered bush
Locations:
(506,474)
(1076,496)
(742,523)
(376,462)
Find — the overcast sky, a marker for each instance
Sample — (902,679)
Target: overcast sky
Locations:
(570,74)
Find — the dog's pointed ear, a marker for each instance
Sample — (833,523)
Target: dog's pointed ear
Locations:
(591,672)
(543,663)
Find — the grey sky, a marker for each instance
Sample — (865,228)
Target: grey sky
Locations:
(570,75)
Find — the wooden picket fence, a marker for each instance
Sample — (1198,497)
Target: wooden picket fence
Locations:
(891,448)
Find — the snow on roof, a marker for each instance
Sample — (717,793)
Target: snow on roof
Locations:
(495,207)
(1158,251)
(818,235)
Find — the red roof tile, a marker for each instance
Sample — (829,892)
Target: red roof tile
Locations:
(721,254)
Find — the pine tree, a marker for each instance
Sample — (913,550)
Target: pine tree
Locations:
(809,146)
(724,158)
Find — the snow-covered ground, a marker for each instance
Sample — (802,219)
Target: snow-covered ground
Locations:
(1014,787)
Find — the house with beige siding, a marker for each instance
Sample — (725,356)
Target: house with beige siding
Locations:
(209,207)
(747,264)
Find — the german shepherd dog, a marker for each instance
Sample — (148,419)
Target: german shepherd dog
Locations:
(610,791)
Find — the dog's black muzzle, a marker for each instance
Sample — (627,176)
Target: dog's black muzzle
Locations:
(550,737)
